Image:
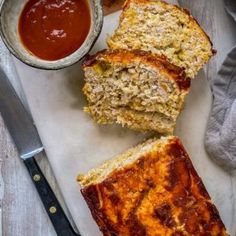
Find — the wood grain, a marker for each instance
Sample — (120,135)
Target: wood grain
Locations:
(23,214)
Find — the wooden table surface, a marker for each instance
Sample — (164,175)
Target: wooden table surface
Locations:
(23,214)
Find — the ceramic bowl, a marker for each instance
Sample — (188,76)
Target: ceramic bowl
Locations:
(10,11)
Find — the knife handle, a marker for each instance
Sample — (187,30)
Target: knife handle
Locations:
(55,212)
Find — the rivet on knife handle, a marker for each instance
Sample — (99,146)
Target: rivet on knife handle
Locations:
(59,220)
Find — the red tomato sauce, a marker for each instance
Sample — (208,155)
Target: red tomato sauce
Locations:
(53,29)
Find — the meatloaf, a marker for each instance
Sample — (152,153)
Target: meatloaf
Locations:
(163,29)
(152,189)
(134,89)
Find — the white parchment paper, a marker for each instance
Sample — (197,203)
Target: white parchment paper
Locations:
(74,144)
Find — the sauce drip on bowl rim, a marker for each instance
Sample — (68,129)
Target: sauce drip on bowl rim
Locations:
(54,29)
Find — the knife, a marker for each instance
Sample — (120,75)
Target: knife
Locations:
(28,144)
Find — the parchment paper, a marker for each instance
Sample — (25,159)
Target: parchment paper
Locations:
(74,144)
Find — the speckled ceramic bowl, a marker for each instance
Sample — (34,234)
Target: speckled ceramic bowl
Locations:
(10,11)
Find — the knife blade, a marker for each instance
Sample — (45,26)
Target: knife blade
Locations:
(18,122)
(28,144)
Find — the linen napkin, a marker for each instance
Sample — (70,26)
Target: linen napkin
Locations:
(220,140)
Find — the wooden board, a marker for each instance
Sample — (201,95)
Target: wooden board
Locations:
(23,213)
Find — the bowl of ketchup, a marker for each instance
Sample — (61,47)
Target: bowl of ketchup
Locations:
(50,34)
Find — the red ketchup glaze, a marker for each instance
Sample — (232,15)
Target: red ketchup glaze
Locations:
(53,29)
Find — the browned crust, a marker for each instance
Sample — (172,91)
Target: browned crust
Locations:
(125,57)
(90,60)
(91,196)
(191,18)
(184,193)
(110,6)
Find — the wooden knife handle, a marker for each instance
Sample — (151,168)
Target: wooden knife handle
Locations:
(55,212)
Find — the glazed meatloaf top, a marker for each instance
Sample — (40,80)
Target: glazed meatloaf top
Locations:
(152,189)
(127,57)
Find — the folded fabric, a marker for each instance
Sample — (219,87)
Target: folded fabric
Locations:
(220,140)
(230,6)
